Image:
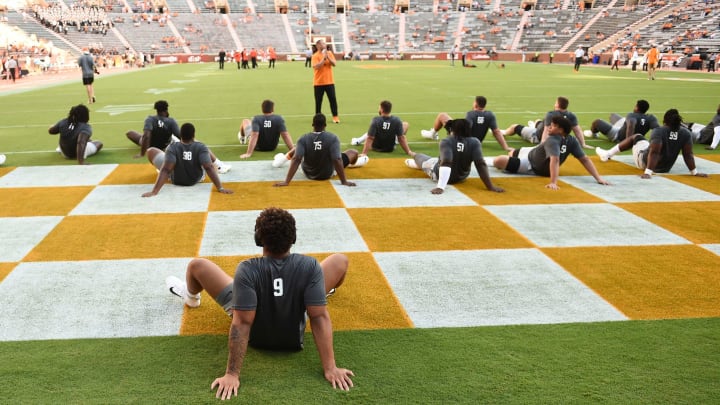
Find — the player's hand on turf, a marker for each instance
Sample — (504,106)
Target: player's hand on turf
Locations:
(227,386)
(497,189)
(139,155)
(149,194)
(586,146)
(340,378)
(552,186)
(645,176)
(437,190)
(604,182)
(245,156)
(349,184)
(281,184)
(701,175)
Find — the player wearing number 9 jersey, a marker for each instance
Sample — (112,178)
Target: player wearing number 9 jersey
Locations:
(269,297)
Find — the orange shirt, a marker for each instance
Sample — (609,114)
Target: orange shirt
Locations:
(324,74)
(271,53)
(652,56)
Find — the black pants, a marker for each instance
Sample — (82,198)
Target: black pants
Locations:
(328,89)
(578,62)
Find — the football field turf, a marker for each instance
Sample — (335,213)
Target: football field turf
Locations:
(436,283)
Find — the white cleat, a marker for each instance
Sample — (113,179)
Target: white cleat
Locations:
(223,168)
(355,141)
(429,134)
(603,154)
(411,163)
(241,138)
(279,160)
(531,124)
(361,161)
(179,288)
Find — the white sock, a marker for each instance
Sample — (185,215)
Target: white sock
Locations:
(490,161)
(614,151)
(716,138)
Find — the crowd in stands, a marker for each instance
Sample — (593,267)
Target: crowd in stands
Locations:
(84,19)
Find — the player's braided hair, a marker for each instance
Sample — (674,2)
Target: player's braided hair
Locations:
(275,229)
(460,128)
(672,119)
(79,114)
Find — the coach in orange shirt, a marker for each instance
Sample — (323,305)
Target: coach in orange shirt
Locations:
(323,62)
(652,59)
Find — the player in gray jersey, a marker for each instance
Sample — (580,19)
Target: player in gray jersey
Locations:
(545,159)
(318,153)
(385,132)
(159,130)
(264,131)
(659,155)
(88,68)
(480,121)
(185,163)
(636,122)
(707,134)
(457,152)
(561,109)
(75,133)
(269,299)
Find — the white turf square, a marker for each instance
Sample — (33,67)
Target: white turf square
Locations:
(489,287)
(715,248)
(127,199)
(703,165)
(393,193)
(637,189)
(90,299)
(22,234)
(56,176)
(257,170)
(330,230)
(568,225)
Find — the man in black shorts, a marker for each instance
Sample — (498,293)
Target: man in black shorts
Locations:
(269,298)
(545,159)
(318,153)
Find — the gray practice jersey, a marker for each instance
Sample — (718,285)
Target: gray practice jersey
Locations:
(318,151)
(643,124)
(555,145)
(480,122)
(567,114)
(672,144)
(278,290)
(69,134)
(87,65)
(462,152)
(384,130)
(268,128)
(188,160)
(161,129)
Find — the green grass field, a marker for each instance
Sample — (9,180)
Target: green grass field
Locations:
(667,361)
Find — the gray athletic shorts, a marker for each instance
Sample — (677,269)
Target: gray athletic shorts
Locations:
(224,299)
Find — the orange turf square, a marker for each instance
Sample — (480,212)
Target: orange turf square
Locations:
(41,201)
(649,282)
(709,184)
(364,301)
(5,170)
(433,228)
(132,174)
(107,237)
(384,169)
(524,190)
(710,156)
(260,195)
(573,167)
(693,221)
(5,269)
